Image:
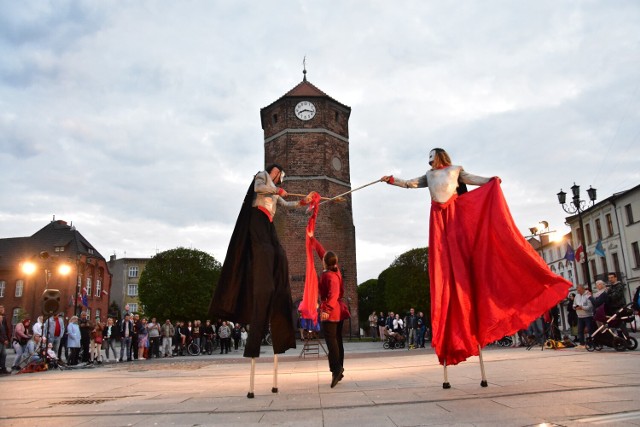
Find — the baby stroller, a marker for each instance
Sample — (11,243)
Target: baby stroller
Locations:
(393,340)
(613,334)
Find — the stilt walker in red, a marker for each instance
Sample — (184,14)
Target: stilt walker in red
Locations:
(486,280)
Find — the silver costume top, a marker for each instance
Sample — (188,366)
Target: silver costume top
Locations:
(267,196)
(443,182)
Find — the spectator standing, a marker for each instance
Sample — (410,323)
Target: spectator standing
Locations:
(54,330)
(143,335)
(126,332)
(85,335)
(96,342)
(243,336)
(37,327)
(168,330)
(615,295)
(73,340)
(21,337)
(420,330)
(572,316)
(584,308)
(373,325)
(236,336)
(134,336)
(381,325)
(224,333)
(4,341)
(109,336)
(411,325)
(208,334)
(154,338)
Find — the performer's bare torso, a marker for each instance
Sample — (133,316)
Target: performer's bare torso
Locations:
(443,182)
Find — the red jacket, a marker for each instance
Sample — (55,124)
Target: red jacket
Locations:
(331,291)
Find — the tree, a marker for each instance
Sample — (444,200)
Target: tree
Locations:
(370,297)
(178,284)
(405,283)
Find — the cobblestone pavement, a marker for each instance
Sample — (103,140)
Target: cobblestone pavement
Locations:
(569,387)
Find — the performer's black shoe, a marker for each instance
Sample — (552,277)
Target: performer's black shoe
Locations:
(336,377)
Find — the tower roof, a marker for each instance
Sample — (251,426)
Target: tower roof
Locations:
(306,89)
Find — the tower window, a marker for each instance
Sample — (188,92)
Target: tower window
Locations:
(275,118)
(337,116)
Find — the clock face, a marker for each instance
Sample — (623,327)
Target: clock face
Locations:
(305,110)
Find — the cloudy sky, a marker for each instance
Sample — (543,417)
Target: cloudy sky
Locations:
(139,121)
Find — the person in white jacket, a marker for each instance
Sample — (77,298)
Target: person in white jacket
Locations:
(584,308)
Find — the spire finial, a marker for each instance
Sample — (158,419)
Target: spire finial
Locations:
(304,68)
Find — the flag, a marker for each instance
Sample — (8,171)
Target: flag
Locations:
(579,253)
(599,249)
(85,300)
(570,254)
(105,292)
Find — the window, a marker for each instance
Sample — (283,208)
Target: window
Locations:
(594,270)
(19,287)
(616,261)
(98,312)
(605,267)
(598,229)
(132,290)
(133,307)
(14,317)
(98,288)
(629,212)
(88,286)
(3,285)
(636,253)
(90,251)
(579,235)
(59,249)
(88,311)
(588,231)
(133,271)
(559,253)
(275,118)
(609,224)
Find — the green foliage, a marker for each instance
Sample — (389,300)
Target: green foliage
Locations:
(370,297)
(178,284)
(404,284)
(114,310)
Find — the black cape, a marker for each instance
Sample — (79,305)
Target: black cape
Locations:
(233,296)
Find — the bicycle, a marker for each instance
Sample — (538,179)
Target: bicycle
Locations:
(193,348)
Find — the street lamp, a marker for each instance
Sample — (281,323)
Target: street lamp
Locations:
(577,206)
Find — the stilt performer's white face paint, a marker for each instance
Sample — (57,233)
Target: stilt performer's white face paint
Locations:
(432,156)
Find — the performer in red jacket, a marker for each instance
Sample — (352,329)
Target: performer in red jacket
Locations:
(333,310)
(486,280)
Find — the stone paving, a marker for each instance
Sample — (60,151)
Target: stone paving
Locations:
(568,387)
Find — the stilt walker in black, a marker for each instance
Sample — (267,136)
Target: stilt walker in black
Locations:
(254,283)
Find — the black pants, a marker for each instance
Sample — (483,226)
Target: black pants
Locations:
(333,337)
(272,305)
(84,343)
(225,343)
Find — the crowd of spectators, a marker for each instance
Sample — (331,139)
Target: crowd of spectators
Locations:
(64,342)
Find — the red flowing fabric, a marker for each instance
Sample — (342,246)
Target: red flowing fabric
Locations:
(309,305)
(486,279)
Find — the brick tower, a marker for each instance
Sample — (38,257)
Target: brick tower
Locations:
(307,132)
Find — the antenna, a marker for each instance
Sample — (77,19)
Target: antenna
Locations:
(304,68)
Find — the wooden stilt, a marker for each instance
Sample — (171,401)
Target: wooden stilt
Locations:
(483,383)
(250,395)
(274,389)
(445,384)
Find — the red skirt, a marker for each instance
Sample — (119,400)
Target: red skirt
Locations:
(487,281)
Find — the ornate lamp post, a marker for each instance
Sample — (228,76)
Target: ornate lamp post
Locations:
(577,206)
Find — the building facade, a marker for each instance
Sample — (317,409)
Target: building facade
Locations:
(124,286)
(614,225)
(307,132)
(60,259)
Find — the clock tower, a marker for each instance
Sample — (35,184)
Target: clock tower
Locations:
(307,132)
